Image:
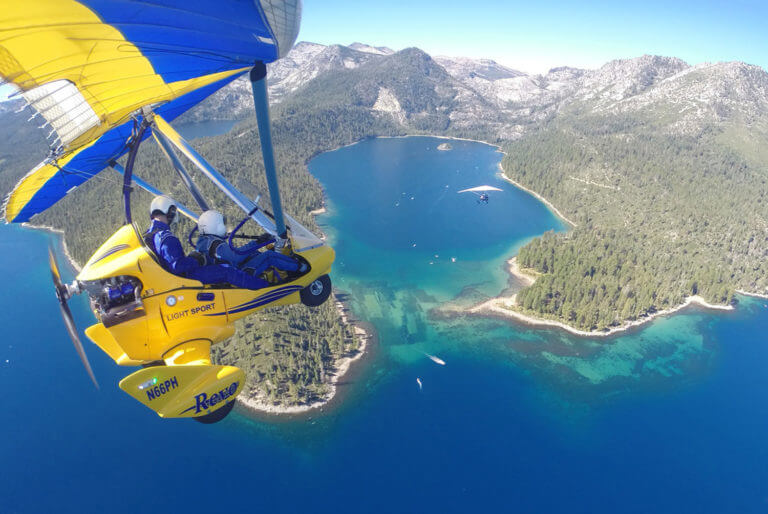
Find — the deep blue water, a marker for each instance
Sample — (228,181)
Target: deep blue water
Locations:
(670,418)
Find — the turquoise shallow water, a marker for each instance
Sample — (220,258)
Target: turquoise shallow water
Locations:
(669,418)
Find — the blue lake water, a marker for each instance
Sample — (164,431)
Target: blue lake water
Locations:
(208,128)
(670,418)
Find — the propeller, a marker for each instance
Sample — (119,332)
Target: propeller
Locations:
(64,292)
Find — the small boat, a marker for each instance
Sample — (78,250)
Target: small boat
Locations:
(436,360)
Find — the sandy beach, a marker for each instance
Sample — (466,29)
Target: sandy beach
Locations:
(451,138)
(504,306)
(527,278)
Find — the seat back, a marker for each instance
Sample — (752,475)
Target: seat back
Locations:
(147,239)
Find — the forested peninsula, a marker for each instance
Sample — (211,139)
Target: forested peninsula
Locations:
(659,218)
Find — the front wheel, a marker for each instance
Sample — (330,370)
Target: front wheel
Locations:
(317,292)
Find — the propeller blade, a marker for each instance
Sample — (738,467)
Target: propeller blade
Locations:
(63,295)
(54,271)
(70,323)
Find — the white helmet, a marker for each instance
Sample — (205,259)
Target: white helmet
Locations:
(212,222)
(163,205)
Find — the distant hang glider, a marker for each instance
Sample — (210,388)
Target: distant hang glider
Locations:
(480,189)
(481,192)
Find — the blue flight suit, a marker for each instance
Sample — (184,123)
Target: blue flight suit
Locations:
(250,258)
(171,254)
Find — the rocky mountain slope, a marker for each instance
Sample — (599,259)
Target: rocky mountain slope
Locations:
(305,62)
(415,90)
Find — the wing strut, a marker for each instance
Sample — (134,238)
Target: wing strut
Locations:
(146,186)
(261,103)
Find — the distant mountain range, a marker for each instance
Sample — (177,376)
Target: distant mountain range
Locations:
(410,86)
(455,94)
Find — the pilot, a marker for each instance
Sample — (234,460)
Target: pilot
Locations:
(212,243)
(168,248)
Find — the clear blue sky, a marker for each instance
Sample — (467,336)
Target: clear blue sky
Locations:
(533,37)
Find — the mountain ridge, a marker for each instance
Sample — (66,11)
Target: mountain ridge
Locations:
(498,100)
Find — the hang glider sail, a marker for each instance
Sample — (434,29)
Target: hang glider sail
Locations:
(89,67)
(479,189)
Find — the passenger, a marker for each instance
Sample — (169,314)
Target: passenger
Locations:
(168,248)
(213,244)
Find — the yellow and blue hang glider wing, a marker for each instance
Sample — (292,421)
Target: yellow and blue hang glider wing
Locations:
(89,67)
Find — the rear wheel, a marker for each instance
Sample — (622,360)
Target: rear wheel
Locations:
(216,415)
(317,292)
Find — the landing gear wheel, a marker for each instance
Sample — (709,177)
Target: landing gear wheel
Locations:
(216,415)
(317,292)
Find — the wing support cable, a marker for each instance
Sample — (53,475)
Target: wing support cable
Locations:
(165,131)
(133,144)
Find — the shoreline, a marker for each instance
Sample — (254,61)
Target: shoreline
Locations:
(495,305)
(403,136)
(62,240)
(504,306)
(492,305)
(535,195)
(754,295)
(257,405)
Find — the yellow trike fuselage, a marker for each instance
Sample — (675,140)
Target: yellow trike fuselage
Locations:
(174,319)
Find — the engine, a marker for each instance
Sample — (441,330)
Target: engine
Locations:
(116,299)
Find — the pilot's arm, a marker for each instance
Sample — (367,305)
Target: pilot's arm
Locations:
(227,254)
(244,253)
(170,250)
